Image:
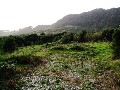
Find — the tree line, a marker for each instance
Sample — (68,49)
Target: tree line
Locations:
(11,43)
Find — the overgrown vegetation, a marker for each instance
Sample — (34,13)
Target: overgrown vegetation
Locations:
(116,44)
(61,61)
(8,44)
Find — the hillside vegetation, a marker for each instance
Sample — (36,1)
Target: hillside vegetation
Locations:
(96,19)
(63,61)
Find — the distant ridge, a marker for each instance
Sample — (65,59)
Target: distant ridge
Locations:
(96,19)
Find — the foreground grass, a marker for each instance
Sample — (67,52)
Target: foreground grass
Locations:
(80,66)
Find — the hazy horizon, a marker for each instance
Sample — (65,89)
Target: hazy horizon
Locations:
(16,14)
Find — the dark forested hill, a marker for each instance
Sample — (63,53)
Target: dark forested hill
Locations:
(95,19)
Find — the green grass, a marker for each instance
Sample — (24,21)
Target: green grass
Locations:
(103,50)
(63,63)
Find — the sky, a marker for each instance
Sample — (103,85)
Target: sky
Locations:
(16,14)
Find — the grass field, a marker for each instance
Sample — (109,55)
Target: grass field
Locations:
(74,66)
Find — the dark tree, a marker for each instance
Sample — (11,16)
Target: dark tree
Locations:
(67,38)
(19,40)
(9,44)
(31,39)
(82,36)
(107,34)
(116,44)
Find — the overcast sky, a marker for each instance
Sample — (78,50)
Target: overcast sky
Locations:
(15,14)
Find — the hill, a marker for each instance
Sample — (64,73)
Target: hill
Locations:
(96,19)
(26,30)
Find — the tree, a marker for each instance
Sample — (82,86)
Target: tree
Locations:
(107,34)
(67,38)
(9,44)
(82,36)
(116,43)
(19,40)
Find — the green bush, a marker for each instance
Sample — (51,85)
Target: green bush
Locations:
(82,36)
(107,34)
(77,48)
(67,38)
(7,73)
(9,44)
(25,59)
(96,36)
(59,48)
(116,44)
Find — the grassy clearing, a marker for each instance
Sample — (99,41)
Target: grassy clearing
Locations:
(82,66)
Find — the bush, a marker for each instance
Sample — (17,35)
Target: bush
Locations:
(107,34)
(59,48)
(116,44)
(77,48)
(93,36)
(9,44)
(19,40)
(67,38)
(82,36)
(25,59)
(8,73)
(57,38)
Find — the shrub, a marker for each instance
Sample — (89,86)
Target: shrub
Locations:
(77,48)
(93,36)
(116,44)
(59,48)
(57,38)
(9,44)
(19,40)
(67,38)
(107,34)
(25,59)
(82,36)
(8,73)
